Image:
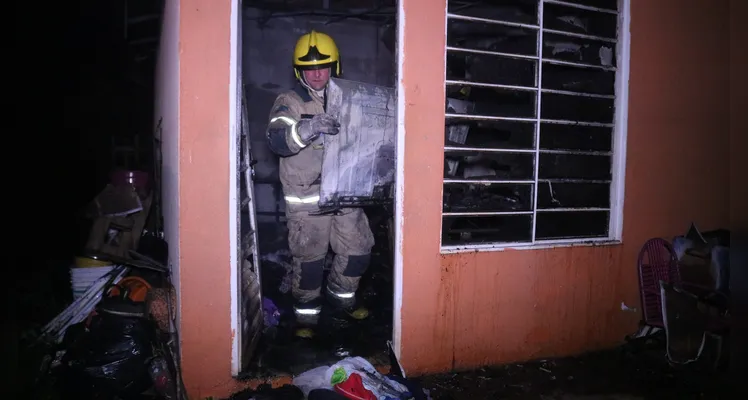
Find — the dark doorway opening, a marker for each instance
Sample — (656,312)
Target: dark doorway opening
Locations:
(365,34)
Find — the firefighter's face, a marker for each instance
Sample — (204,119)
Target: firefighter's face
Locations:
(317,78)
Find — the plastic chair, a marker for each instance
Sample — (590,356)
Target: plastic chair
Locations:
(659,270)
(657,262)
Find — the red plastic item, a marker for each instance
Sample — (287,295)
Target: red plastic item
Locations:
(657,262)
(136,287)
(353,388)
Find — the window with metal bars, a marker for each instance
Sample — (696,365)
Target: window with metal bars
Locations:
(535,122)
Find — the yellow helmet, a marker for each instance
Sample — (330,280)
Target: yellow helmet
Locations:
(316,50)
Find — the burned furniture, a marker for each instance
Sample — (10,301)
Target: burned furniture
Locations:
(119,213)
(695,329)
(690,314)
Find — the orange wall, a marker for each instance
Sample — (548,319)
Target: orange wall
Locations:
(205,325)
(470,309)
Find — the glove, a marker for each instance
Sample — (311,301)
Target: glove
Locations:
(310,129)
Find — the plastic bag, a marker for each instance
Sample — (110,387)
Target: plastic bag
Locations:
(327,377)
(382,386)
(110,357)
(312,379)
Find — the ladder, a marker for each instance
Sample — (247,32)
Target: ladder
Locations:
(250,293)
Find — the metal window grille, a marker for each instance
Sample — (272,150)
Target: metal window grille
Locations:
(532,121)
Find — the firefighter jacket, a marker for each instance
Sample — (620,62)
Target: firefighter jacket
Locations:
(300,164)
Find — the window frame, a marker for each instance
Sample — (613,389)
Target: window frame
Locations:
(619,134)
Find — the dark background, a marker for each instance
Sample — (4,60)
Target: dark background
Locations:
(77,81)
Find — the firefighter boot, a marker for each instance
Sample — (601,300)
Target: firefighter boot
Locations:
(306,318)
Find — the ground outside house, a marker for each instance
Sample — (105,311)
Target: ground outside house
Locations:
(631,372)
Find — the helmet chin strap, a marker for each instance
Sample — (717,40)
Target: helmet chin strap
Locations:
(320,93)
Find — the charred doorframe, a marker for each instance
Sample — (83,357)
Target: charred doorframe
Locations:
(618,125)
(397,301)
(234,214)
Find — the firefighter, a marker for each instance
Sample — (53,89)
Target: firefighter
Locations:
(295,132)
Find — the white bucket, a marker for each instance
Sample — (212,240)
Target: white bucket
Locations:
(81,278)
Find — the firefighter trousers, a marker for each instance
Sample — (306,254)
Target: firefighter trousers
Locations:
(351,239)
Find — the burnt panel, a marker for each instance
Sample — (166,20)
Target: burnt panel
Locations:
(577,20)
(491,166)
(484,68)
(486,229)
(575,137)
(571,224)
(358,166)
(475,197)
(521,11)
(576,108)
(576,79)
(491,37)
(490,102)
(574,166)
(573,195)
(577,50)
(489,134)
(606,4)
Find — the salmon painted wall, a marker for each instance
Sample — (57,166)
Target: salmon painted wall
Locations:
(470,309)
(205,325)
(203,148)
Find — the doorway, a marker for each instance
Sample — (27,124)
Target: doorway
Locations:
(265,343)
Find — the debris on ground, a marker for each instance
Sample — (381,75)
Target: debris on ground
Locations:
(619,374)
(635,371)
(116,340)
